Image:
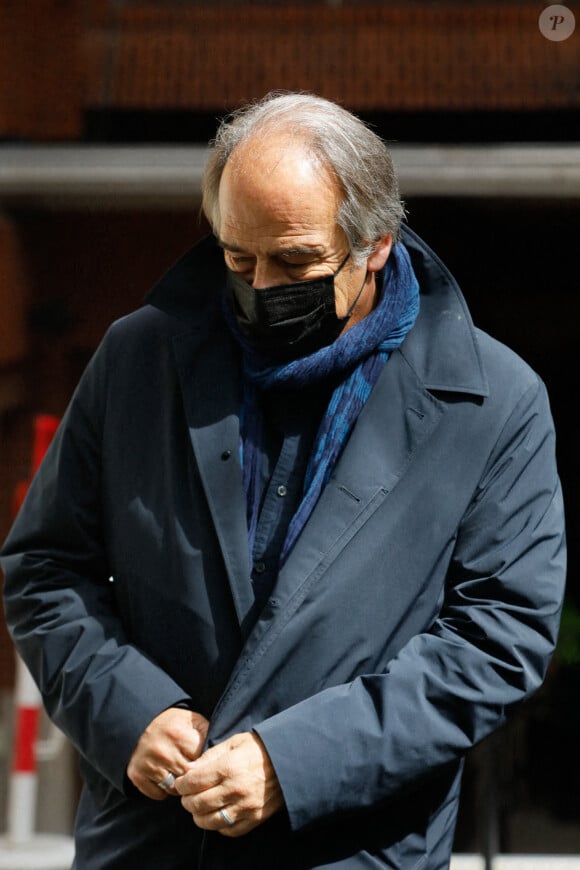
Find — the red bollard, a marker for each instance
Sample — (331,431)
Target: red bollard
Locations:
(27,702)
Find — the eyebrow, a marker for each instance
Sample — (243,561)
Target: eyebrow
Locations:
(227,247)
(315,250)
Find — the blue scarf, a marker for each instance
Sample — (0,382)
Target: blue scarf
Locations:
(359,355)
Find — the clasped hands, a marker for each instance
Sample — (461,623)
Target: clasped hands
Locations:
(231,788)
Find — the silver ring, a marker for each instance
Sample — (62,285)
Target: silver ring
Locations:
(226,817)
(168,781)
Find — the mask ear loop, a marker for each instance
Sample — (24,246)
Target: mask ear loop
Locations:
(341,265)
(358,295)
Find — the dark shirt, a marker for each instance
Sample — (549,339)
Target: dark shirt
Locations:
(291,419)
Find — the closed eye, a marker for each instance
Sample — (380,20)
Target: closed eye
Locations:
(239,262)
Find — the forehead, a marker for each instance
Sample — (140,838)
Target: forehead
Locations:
(276,188)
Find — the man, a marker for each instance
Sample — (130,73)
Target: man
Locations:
(299,541)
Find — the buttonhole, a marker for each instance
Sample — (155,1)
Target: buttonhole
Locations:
(349,493)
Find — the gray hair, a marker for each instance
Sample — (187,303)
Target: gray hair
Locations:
(357,157)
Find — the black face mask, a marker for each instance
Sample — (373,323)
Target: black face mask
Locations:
(289,320)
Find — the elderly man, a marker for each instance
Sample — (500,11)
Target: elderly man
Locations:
(299,541)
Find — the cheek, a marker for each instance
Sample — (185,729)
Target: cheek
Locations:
(341,298)
(346,291)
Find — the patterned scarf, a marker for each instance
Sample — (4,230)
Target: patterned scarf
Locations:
(358,355)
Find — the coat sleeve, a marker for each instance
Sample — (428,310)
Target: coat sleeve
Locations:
(96,686)
(354,745)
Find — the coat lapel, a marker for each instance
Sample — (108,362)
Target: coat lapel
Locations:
(211,399)
(399,415)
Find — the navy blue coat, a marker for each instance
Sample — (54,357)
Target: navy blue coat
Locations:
(419,606)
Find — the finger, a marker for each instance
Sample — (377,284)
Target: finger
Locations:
(229,826)
(163,775)
(175,736)
(149,788)
(214,820)
(167,782)
(189,741)
(219,807)
(199,777)
(205,804)
(223,822)
(169,743)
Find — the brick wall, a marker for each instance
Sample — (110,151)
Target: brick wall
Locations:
(72,56)
(371,57)
(40,69)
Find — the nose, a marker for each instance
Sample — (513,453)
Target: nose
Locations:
(267,274)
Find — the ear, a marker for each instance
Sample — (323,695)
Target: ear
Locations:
(380,254)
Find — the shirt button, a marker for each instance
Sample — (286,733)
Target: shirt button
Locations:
(282,491)
(259,567)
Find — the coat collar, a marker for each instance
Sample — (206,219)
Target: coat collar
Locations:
(442,347)
(190,290)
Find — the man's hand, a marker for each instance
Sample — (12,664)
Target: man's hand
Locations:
(168,745)
(235,776)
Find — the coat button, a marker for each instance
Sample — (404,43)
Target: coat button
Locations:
(282,491)
(259,567)
(226,455)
